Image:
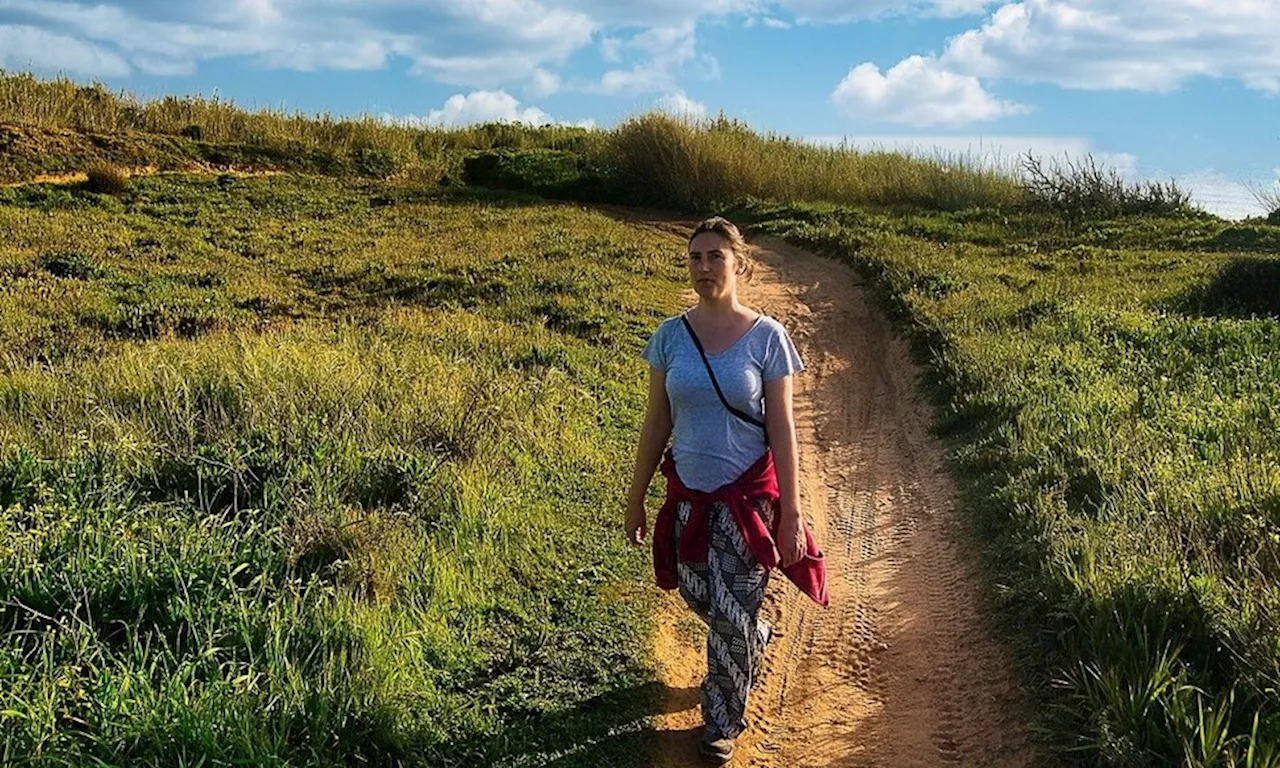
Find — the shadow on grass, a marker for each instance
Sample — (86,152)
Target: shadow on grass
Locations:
(612,729)
(1246,286)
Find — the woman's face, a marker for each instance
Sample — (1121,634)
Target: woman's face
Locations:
(712,265)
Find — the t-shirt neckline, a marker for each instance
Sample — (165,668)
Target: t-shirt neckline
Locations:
(731,347)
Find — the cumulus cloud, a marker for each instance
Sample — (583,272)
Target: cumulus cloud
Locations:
(481,107)
(480,44)
(918,91)
(842,11)
(542,83)
(662,54)
(23,47)
(1153,45)
(681,105)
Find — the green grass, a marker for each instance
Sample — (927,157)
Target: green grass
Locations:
(1112,390)
(296,471)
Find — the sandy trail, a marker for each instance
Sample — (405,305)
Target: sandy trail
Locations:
(901,670)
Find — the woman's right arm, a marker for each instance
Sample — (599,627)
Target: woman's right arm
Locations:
(653,440)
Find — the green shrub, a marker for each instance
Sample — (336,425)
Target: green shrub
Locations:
(1080,188)
(541,171)
(1244,286)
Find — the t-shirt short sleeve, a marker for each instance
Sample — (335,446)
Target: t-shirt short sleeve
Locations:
(655,351)
(781,358)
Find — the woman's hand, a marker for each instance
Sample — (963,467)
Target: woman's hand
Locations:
(791,539)
(636,524)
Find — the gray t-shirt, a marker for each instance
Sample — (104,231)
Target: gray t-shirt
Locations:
(711,446)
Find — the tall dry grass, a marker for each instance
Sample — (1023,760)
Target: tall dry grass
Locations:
(660,159)
(64,103)
(695,163)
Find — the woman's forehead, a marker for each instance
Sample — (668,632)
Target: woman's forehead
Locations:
(709,241)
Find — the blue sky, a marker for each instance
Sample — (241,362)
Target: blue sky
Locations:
(1157,88)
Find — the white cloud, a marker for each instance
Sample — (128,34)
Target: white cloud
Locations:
(487,45)
(611,49)
(658,13)
(481,107)
(1152,45)
(330,54)
(484,44)
(918,91)
(542,83)
(681,105)
(663,54)
(773,23)
(23,47)
(253,11)
(1217,192)
(484,107)
(841,11)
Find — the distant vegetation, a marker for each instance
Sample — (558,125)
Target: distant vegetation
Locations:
(652,159)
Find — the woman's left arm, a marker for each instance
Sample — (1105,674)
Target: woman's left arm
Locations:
(780,422)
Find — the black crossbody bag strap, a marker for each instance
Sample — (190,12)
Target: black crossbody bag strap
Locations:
(716,384)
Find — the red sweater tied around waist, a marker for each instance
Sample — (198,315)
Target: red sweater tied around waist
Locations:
(759,480)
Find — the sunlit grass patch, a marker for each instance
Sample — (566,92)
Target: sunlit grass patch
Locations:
(367,513)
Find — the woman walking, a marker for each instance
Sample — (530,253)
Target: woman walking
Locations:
(720,387)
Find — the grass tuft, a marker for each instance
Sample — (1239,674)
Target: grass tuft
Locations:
(106,180)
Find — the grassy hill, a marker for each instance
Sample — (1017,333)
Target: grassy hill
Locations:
(302,471)
(340,447)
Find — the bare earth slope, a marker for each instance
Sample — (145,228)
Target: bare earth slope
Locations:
(901,669)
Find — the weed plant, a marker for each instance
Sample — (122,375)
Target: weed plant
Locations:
(1085,189)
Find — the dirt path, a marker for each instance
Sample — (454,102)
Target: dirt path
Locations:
(900,670)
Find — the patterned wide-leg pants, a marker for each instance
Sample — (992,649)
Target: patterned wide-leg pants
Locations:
(726,592)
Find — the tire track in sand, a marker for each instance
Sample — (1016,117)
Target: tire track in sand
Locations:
(901,670)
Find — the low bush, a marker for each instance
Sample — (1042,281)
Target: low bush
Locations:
(106,180)
(1083,188)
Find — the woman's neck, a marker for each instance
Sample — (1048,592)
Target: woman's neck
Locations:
(719,308)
